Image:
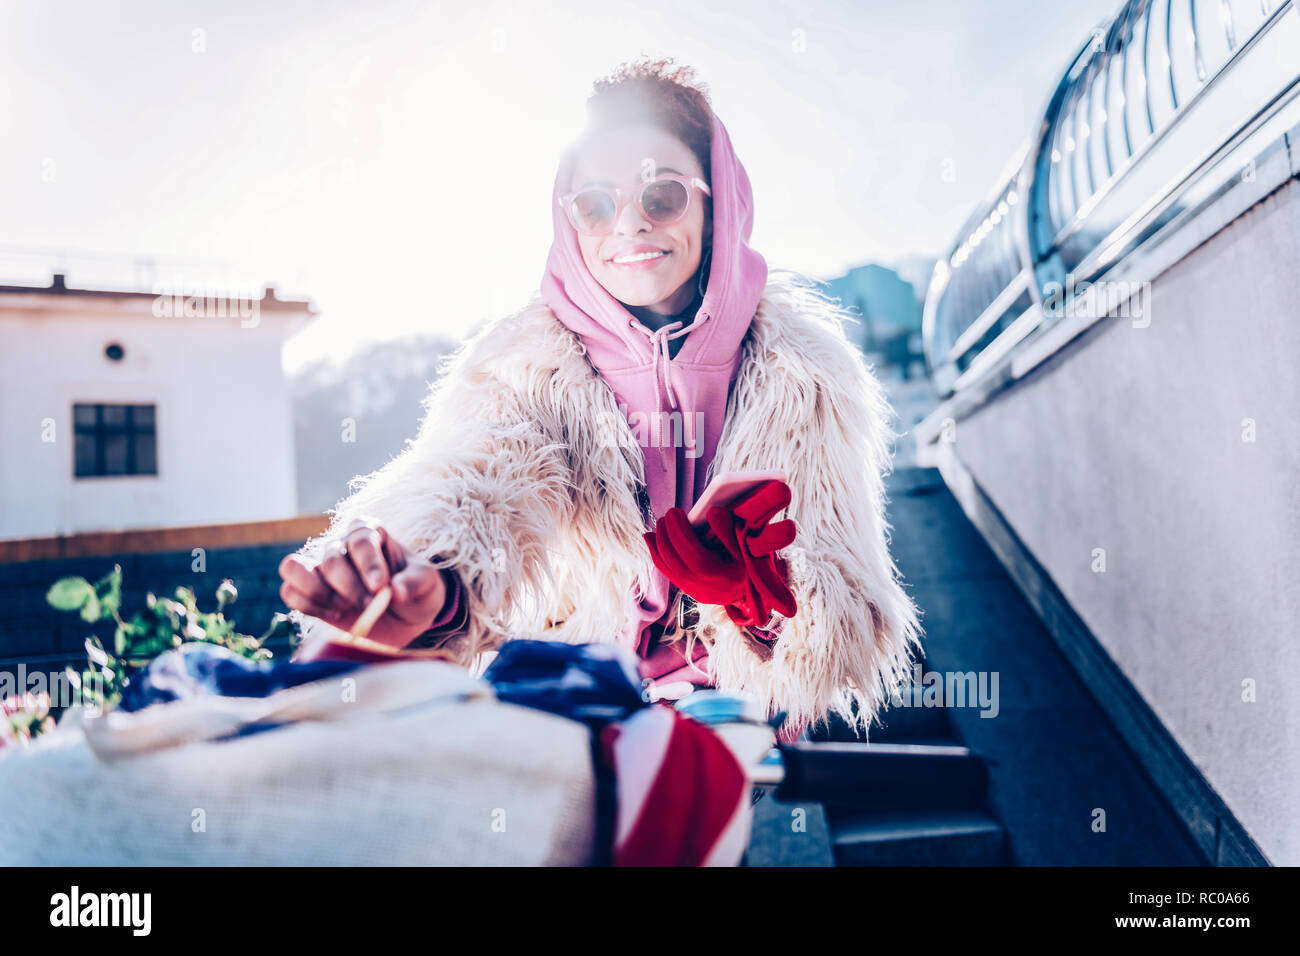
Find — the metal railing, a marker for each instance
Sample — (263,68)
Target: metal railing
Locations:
(1139,128)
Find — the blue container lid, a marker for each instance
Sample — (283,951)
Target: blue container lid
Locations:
(717,707)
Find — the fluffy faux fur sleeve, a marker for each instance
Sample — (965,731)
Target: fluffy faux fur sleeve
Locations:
(826,421)
(484,485)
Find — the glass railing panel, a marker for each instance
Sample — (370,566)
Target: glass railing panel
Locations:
(1080,177)
(1248,87)
(1117,139)
(1137,109)
(1128,148)
(1098,155)
(1058,196)
(1247,16)
(1160,84)
(1187,66)
(1004,321)
(1211,20)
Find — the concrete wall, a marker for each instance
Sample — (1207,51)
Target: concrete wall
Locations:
(224,422)
(1135,441)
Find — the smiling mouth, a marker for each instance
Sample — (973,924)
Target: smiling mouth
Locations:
(639,257)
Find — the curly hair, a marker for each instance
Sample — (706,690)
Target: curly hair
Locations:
(660,92)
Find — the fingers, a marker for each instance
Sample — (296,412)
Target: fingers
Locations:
(771,589)
(356,566)
(766,576)
(299,601)
(685,547)
(338,571)
(777,535)
(352,569)
(395,553)
(303,589)
(750,581)
(762,505)
(304,580)
(723,526)
(365,548)
(667,560)
(418,594)
(744,611)
(696,570)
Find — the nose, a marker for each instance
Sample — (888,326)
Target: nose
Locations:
(630,221)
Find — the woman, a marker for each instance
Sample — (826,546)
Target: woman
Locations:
(659,353)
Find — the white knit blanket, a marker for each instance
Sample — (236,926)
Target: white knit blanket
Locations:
(408,763)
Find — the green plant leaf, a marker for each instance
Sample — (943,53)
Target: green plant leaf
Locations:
(69,594)
(91,611)
(216,626)
(168,614)
(187,600)
(169,622)
(109,591)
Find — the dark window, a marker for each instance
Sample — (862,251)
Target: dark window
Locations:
(115,440)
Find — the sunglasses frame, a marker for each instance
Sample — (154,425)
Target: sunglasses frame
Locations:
(621,198)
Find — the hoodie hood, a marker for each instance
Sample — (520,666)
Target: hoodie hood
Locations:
(675,406)
(688,391)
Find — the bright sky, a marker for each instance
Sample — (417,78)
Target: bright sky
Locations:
(394,160)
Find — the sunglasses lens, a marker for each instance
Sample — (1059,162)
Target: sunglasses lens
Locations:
(592,211)
(664,200)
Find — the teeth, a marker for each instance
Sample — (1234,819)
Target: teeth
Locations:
(640,257)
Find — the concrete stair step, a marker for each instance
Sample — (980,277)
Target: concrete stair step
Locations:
(883,776)
(917,838)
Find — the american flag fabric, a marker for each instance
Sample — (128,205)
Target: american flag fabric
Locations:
(683,797)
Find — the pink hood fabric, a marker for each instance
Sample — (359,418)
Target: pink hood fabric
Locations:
(635,362)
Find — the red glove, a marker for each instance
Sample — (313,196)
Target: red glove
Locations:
(733,563)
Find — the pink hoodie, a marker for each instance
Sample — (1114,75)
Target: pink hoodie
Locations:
(635,362)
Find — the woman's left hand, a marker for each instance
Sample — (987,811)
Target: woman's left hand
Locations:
(734,562)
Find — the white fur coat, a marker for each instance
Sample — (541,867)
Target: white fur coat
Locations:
(515,481)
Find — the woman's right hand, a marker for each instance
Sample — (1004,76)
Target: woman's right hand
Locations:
(353,568)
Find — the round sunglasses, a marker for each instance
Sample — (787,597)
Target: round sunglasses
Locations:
(664,200)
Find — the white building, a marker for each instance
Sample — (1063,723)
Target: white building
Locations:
(122,410)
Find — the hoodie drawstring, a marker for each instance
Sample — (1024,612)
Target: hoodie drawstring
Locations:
(659,340)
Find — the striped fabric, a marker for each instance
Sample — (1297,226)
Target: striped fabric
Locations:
(683,798)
